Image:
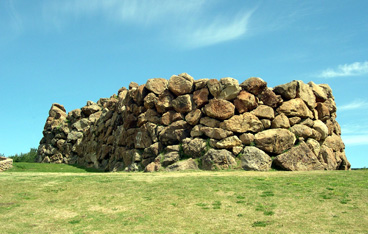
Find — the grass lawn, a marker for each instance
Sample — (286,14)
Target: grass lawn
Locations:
(73,200)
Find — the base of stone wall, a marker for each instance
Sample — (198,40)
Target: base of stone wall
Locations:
(5,163)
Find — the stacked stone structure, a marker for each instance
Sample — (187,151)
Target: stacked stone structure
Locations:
(209,124)
(5,163)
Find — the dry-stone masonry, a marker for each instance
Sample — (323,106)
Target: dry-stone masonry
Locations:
(210,124)
(5,163)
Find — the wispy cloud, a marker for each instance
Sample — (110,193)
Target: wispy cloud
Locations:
(356,104)
(16,20)
(355,128)
(354,134)
(353,69)
(189,23)
(355,140)
(217,31)
(125,11)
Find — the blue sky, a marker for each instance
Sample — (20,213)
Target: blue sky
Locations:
(72,51)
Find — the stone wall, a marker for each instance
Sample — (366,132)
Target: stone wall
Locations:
(5,163)
(209,124)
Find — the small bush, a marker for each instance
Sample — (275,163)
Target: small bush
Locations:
(25,157)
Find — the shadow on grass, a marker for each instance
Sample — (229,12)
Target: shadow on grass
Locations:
(50,167)
(87,169)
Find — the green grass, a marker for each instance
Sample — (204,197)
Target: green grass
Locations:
(33,200)
(48,167)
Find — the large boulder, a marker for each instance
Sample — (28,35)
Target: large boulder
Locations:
(149,101)
(320,127)
(157,85)
(180,85)
(82,125)
(294,120)
(344,164)
(133,85)
(219,109)
(305,92)
(215,133)
(327,90)
(138,94)
(164,102)
(295,107)
(200,83)
(327,158)
(264,112)
(287,91)
(254,85)
(57,111)
(230,88)
(184,165)
(280,121)
(318,91)
(275,140)
(90,109)
(331,104)
(245,102)
(183,103)
(218,159)
(304,131)
(193,117)
(209,122)
(269,98)
(246,122)
(142,139)
(228,142)
(152,151)
(333,127)
(214,87)
(196,131)
(266,123)
(75,115)
(247,138)
(200,97)
(314,146)
(323,111)
(170,158)
(334,142)
(298,158)
(149,116)
(152,167)
(175,132)
(171,116)
(194,148)
(74,136)
(254,159)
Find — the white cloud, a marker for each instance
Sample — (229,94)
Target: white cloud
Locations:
(139,11)
(356,104)
(217,31)
(355,140)
(354,134)
(355,129)
(354,69)
(188,23)
(11,22)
